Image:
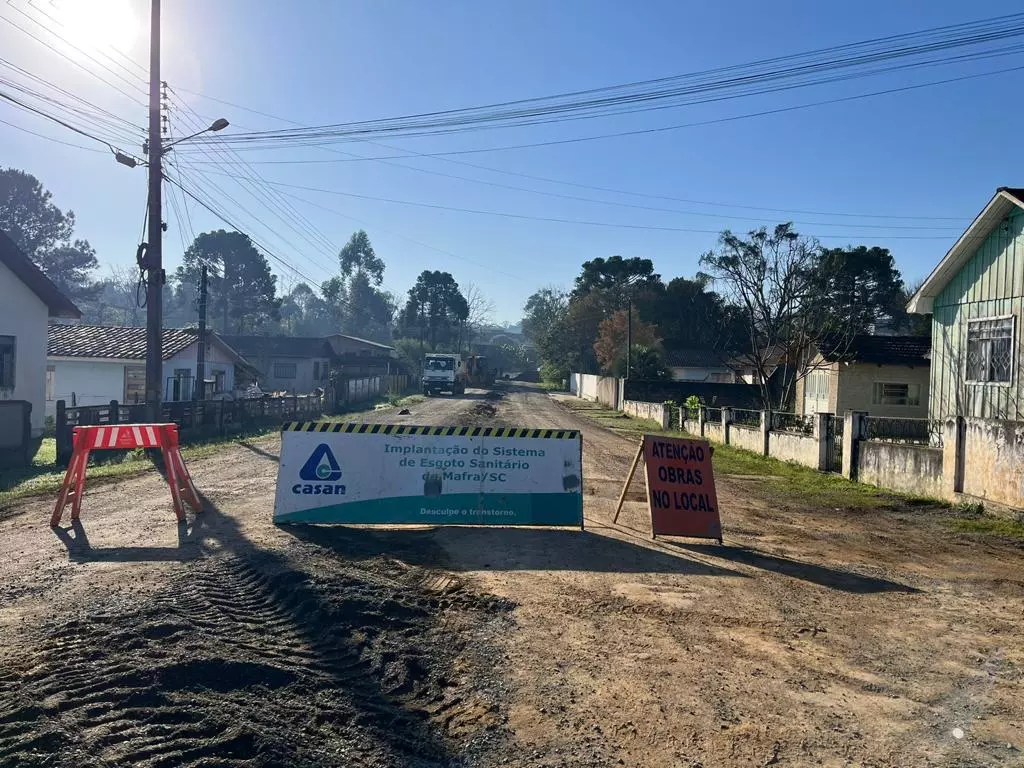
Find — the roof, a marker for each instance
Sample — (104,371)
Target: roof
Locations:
(883,350)
(695,358)
(256,347)
(360,341)
(771,358)
(117,342)
(32,276)
(1002,204)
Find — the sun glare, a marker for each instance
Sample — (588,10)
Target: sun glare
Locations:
(98,25)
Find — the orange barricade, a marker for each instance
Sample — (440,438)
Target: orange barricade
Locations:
(119,437)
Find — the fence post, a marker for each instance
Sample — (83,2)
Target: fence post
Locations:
(115,413)
(821,435)
(953,448)
(726,421)
(766,428)
(700,420)
(854,430)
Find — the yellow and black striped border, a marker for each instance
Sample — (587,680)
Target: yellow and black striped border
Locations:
(403,429)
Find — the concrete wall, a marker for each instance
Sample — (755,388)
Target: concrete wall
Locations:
(606,390)
(713,432)
(914,469)
(789,446)
(24,316)
(748,438)
(711,394)
(994,461)
(653,411)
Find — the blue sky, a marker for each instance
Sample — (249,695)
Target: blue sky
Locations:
(937,151)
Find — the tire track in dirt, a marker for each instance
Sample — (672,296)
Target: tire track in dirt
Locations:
(247,660)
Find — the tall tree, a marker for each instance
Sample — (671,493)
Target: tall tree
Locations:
(242,288)
(616,277)
(358,257)
(861,286)
(43,231)
(479,311)
(771,276)
(435,311)
(689,316)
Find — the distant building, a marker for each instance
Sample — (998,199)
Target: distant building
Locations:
(883,375)
(699,365)
(28,300)
(361,357)
(94,364)
(293,364)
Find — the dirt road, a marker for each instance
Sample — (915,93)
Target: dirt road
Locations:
(814,637)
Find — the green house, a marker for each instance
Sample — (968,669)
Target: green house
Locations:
(976,297)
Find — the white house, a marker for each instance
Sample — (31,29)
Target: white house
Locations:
(296,364)
(699,365)
(28,299)
(94,364)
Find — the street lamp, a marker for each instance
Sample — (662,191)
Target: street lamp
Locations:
(217,125)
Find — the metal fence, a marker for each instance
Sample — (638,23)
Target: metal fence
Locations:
(899,430)
(713,415)
(746,418)
(797,423)
(195,419)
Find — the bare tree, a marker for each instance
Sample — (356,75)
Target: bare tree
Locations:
(771,276)
(481,311)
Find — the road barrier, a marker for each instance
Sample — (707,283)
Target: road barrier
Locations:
(399,474)
(121,437)
(681,493)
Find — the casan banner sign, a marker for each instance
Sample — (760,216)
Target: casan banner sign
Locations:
(386,473)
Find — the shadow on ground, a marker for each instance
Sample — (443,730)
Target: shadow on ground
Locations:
(503,549)
(833,578)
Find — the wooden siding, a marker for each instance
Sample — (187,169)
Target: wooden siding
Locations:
(991,284)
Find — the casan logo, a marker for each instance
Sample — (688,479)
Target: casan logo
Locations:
(323,472)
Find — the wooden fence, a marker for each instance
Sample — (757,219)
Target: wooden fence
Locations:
(196,420)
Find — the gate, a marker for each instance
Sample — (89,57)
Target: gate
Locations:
(834,444)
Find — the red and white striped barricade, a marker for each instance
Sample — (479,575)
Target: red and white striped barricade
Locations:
(120,437)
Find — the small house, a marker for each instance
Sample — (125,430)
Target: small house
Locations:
(28,302)
(705,365)
(94,364)
(293,364)
(363,357)
(883,375)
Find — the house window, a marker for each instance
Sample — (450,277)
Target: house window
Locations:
(816,386)
(218,382)
(888,393)
(51,377)
(990,349)
(6,362)
(284,371)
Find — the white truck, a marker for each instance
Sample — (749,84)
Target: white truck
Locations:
(443,373)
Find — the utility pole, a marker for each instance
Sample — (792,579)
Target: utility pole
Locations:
(154,247)
(200,389)
(629,335)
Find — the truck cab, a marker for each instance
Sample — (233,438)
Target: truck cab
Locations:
(443,373)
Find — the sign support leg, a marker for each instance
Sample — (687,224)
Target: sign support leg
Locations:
(629,479)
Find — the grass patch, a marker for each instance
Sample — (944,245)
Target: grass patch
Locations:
(989,526)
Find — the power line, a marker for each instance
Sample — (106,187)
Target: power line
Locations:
(796,70)
(57,120)
(51,138)
(553,219)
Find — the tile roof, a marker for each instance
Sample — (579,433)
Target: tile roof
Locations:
(32,276)
(115,342)
(360,341)
(883,350)
(256,347)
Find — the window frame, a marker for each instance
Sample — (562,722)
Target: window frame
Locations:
(878,397)
(967,341)
(294,369)
(14,363)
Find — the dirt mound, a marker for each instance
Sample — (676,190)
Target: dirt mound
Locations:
(248,660)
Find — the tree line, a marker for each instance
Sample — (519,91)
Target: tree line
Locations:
(244,296)
(768,299)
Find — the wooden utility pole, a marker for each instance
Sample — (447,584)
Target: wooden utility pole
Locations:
(154,246)
(200,388)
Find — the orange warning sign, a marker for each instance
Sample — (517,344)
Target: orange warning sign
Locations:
(681,487)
